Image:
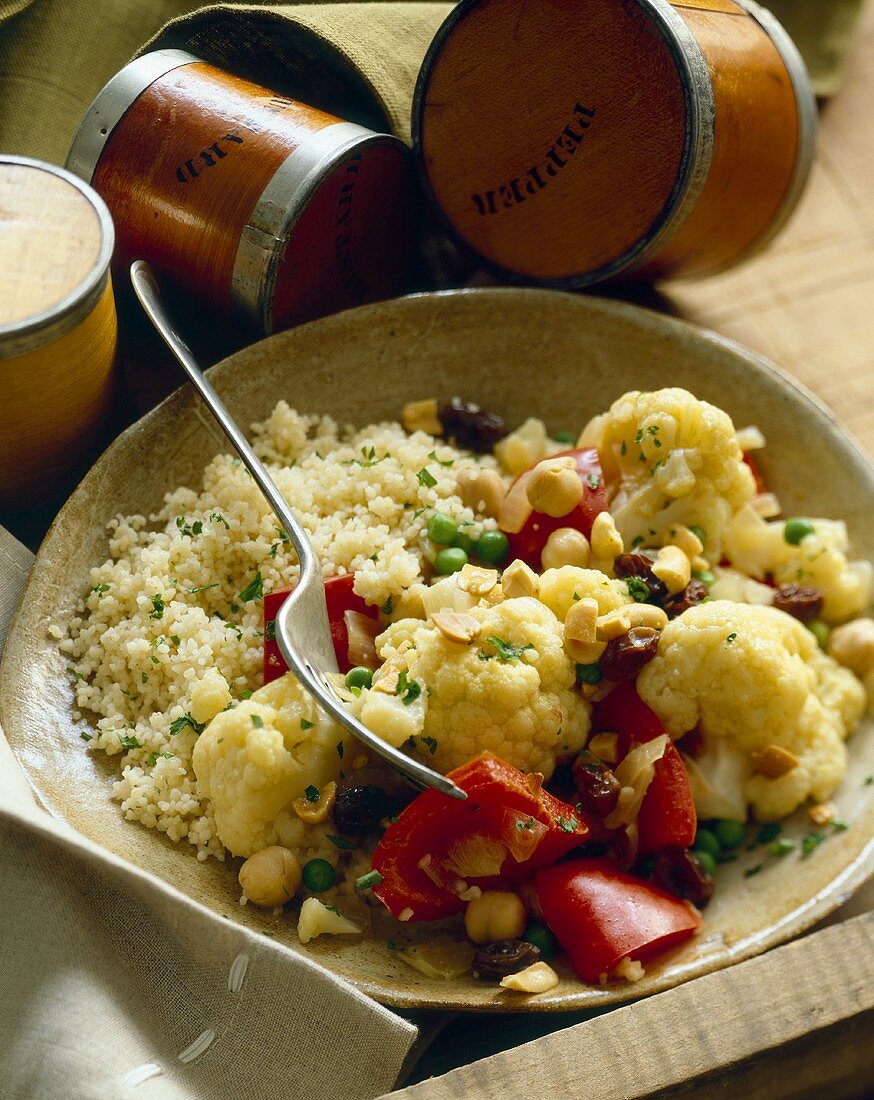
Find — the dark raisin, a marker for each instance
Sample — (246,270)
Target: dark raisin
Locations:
(359,810)
(799,601)
(639,566)
(694,593)
(680,872)
(496,960)
(626,655)
(597,786)
(472,427)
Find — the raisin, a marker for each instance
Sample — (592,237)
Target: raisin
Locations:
(359,810)
(626,655)
(597,786)
(639,566)
(680,872)
(694,593)
(496,960)
(471,427)
(799,601)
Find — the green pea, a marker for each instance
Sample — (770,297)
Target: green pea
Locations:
(541,937)
(730,834)
(700,532)
(492,546)
(565,437)
(706,860)
(797,529)
(319,875)
(820,631)
(706,841)
(463,542)
(442,529)
(359,677)
(450,560)
(588,674)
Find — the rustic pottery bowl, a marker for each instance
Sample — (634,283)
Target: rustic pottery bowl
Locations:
(517,352)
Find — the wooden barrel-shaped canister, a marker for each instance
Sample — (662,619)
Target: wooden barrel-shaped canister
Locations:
(58,328)
(263,208)
(569,143)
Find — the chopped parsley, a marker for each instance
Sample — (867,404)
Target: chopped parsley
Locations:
(623,450)
(257,721)
(593,481)
(391,945)
(100,589)
(341,748)
(189,530)
(767,833)
(217,517)
(506,651)
(811,842)
(283,538)
(588,674)
(567,825)
(305,724)
(431,742)
(175,639)
(782,847)
(638,589)
(179,724)
(341,842)
(152,758)
(372,878)
(425,478)
(254,590)
(525,826)
(869,780)
(369,459)
(731,637)
(699,532)
(636,541)
(158,605)
(202,588)
(246,694)
(87,736)
(754,870)
(440,461)
(409,690)
(312,793)
(128,742)
(270,630)
(388,606)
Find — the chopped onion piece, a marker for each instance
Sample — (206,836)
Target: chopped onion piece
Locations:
(635,773)
(445,961)
(476,856)
(525,833)
(516,507)
(362,631)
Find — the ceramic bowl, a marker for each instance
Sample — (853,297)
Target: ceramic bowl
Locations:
(517,352)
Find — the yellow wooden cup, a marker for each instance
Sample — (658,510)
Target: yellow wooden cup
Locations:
(58,329)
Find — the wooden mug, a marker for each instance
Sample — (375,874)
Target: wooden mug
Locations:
(58,328)
(261,207)
(569,143)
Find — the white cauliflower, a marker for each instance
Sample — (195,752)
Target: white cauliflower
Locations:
(819,560)
(561,588)
(676,460)
(514,696)
(755,677)
(254,760)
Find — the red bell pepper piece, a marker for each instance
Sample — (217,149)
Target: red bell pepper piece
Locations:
(529,542)
(667,814)
(339,598)
(602,915)
(761,487)
(505,812)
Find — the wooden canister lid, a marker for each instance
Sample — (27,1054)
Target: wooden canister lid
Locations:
(55,246)
(562,141)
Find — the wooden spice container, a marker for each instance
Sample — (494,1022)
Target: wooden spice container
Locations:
(260,206)
(57,326)
(568,143)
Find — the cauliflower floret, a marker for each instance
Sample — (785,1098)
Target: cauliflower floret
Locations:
(515,699)
(677,461)
(254,760)
(756,677)
(561,588)
(818,560)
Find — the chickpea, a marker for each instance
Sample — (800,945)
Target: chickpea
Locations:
(852,645)
(495,915)
(554,488)
(566,546)
(271,877)
(482,490)
(606,540)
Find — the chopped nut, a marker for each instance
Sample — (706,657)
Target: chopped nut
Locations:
(523,447)
(774,761)
(673,568)
(614,624)
(580,639)
(566,546)
(630,969)
(519,580)
(482,490)
(385,679)
(605,539)
(605,747)
(314,813)
(646,614)
(687,541)
(421,416)
(516,507)
(539,978)
(823,813)
(456,626)
(405,914)
(555,488)
(535,782)
(767,505)
(477,581)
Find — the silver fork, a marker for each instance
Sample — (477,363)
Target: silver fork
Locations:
(302,629)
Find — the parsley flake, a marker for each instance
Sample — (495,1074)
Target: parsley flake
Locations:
(372,878)
(100,589)
(440,461)
(179,724)
(305,724)
(341,748)
(425,478)
(409,690)
(638,589)
(217,517)
(506,651)
(811,842)
(593,481)
(158,605)
(189,530)
(388,606)
(431,742)
(254,590)
(257,721)
(311,793)
(341,842)
(128,742)
(731,637)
